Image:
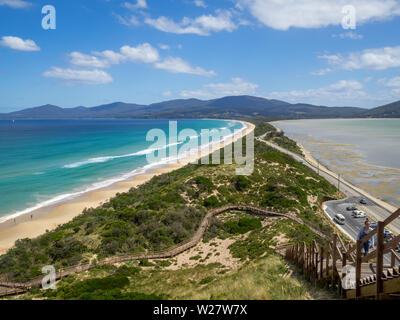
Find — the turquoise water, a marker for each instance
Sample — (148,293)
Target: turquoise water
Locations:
(43,162)
(365,151)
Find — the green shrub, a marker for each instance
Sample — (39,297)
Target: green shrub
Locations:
(206,280)
(204,184)
(242,226)
(211,202)
(145,263)
(242,183)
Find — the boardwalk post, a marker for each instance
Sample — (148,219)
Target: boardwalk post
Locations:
(334,252)
(327,261)
(379,259)
(308,260)
(322,263)
(344,263)
(393,259)
(310,252)
(358,269)
(312,260)
(316,261)
(305,258)
(301,255)
(334,259)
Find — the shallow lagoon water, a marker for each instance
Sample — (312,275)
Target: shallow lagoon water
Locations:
(365,151)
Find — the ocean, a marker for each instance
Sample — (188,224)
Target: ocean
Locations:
(365,151)
(45,162)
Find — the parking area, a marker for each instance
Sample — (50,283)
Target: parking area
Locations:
(352,225)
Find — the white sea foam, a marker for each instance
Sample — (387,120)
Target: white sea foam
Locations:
(108,158)
(109,182)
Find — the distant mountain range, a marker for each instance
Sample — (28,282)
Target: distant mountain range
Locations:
(227,107)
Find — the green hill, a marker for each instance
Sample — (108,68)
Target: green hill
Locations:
(227,107)
(391,110)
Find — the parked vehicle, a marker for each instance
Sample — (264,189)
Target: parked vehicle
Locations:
(351,208)
(363,201)
(340,219)
(358,214)
(373,225)
(387,234)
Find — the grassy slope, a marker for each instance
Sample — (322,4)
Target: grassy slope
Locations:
(166,211)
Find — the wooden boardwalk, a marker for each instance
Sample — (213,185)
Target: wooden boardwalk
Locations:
(320,263)
(9,288)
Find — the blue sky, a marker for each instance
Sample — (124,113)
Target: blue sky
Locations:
(147,51)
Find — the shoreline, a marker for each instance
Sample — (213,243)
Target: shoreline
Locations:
(309,157)
(50,217)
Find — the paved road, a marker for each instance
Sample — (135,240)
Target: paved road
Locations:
(374,211)
(353,225)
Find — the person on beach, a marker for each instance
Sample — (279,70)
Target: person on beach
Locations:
(365,230)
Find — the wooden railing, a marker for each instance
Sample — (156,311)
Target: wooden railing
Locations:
(320,262)
(317,259)
(169,253)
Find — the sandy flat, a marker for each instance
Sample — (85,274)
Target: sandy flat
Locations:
(314,162)
(35,224)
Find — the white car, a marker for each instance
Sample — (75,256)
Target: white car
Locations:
(340,219)
(358,214)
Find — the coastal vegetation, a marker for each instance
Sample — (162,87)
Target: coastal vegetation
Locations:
(278,137)
(167,211)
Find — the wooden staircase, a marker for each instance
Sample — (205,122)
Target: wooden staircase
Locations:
(345,269)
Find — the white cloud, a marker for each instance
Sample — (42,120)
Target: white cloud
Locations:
(164,46)
(236,87)
(321,72)
(391,83)
(200,3)
(177,65)
(16,4)
(343,91)
(285,14)
(202,25)
(84,60)
(349,35)
(140,4)
(167,25)
(79,76)
(376,59)
(110,56)
(127,21)
(142,53)
(19,44)
(332,59)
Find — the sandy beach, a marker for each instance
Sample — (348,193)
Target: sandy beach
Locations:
(36,223)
